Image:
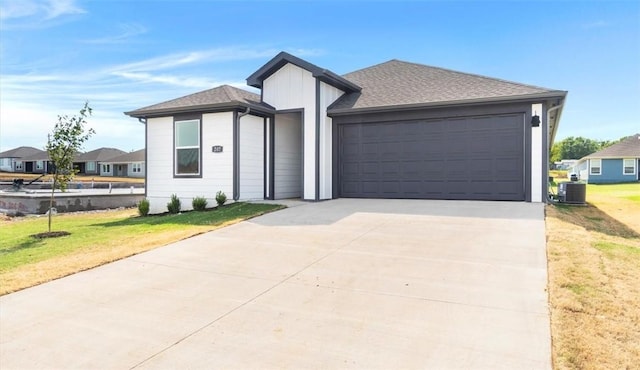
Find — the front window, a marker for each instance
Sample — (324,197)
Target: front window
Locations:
(91,166)
(595,166)
(187,147)
(137,167)
(106,168)
(18,165)
(629,166)
(39,165)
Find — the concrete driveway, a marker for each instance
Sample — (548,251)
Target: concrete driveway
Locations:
(339,284)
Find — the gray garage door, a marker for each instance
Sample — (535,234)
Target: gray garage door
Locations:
(462,158)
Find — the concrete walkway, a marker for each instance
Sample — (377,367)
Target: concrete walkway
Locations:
(368,284)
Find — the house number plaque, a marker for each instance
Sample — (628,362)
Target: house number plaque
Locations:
(216,148)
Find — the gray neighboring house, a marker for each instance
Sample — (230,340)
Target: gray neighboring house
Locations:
(91,163)
(16,160)
(127,165)
(392,130)
(617,163)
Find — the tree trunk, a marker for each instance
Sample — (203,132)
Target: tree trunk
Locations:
(53,189)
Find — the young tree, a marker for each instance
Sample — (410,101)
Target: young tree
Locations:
(68,137)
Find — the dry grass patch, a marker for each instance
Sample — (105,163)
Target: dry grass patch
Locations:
(594,281)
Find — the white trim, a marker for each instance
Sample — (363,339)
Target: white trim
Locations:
(536,157)
(592,167)
(176,148)
(624,166)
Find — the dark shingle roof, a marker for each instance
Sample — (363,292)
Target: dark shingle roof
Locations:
(137,156)
(397,83)
(21,152)
(224,96)
(100,155)
(629,147)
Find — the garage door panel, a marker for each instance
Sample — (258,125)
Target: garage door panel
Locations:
(461,158)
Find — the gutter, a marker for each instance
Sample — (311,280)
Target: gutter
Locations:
(236,153)
(333,112)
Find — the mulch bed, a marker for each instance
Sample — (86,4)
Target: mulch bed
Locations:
(51,234)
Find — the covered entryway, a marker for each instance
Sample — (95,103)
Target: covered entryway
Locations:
(288,155)
(475,158)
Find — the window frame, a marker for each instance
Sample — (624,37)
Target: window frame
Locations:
(633,166)
(592,167)
(106,168)
(177,121)
(91,168)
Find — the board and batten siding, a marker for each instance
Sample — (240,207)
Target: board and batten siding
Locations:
(216,168)
(251,157)
(328,95)
(292,87)
(287,156)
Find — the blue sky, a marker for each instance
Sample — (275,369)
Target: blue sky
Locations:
(122,55)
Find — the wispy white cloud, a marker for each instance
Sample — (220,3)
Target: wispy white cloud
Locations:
(33,100)
(36,13)
(595,24)
(126,31)
(183,81)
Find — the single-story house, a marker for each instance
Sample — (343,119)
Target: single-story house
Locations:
(90,163)
(38,162)
(14,160)
(617,163)
(127,165)
(392,130)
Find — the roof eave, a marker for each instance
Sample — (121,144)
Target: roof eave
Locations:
(450,103)
(220,107)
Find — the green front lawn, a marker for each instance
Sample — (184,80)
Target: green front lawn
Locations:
(100,237)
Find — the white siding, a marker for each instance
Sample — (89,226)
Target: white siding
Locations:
(292,87)
(536,157)
(328,94)
(251,157)
(135,174)
(217,168)
(6,165)
(287,156)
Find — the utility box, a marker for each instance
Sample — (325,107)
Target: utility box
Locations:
(572,192)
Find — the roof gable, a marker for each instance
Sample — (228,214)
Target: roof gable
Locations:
(397,83)
(322,74)
(629,147)
(21,152)
(221,97)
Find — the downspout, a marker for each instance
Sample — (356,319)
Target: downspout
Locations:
(552,135)
(236,154)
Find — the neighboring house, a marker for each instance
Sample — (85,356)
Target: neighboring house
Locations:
(617,163)
(393,130)
(14,160)
(565,164)
(90,163)
(127,165)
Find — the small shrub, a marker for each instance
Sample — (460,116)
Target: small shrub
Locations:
(174,204)
(199,203)
(143,207)
(221,198)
